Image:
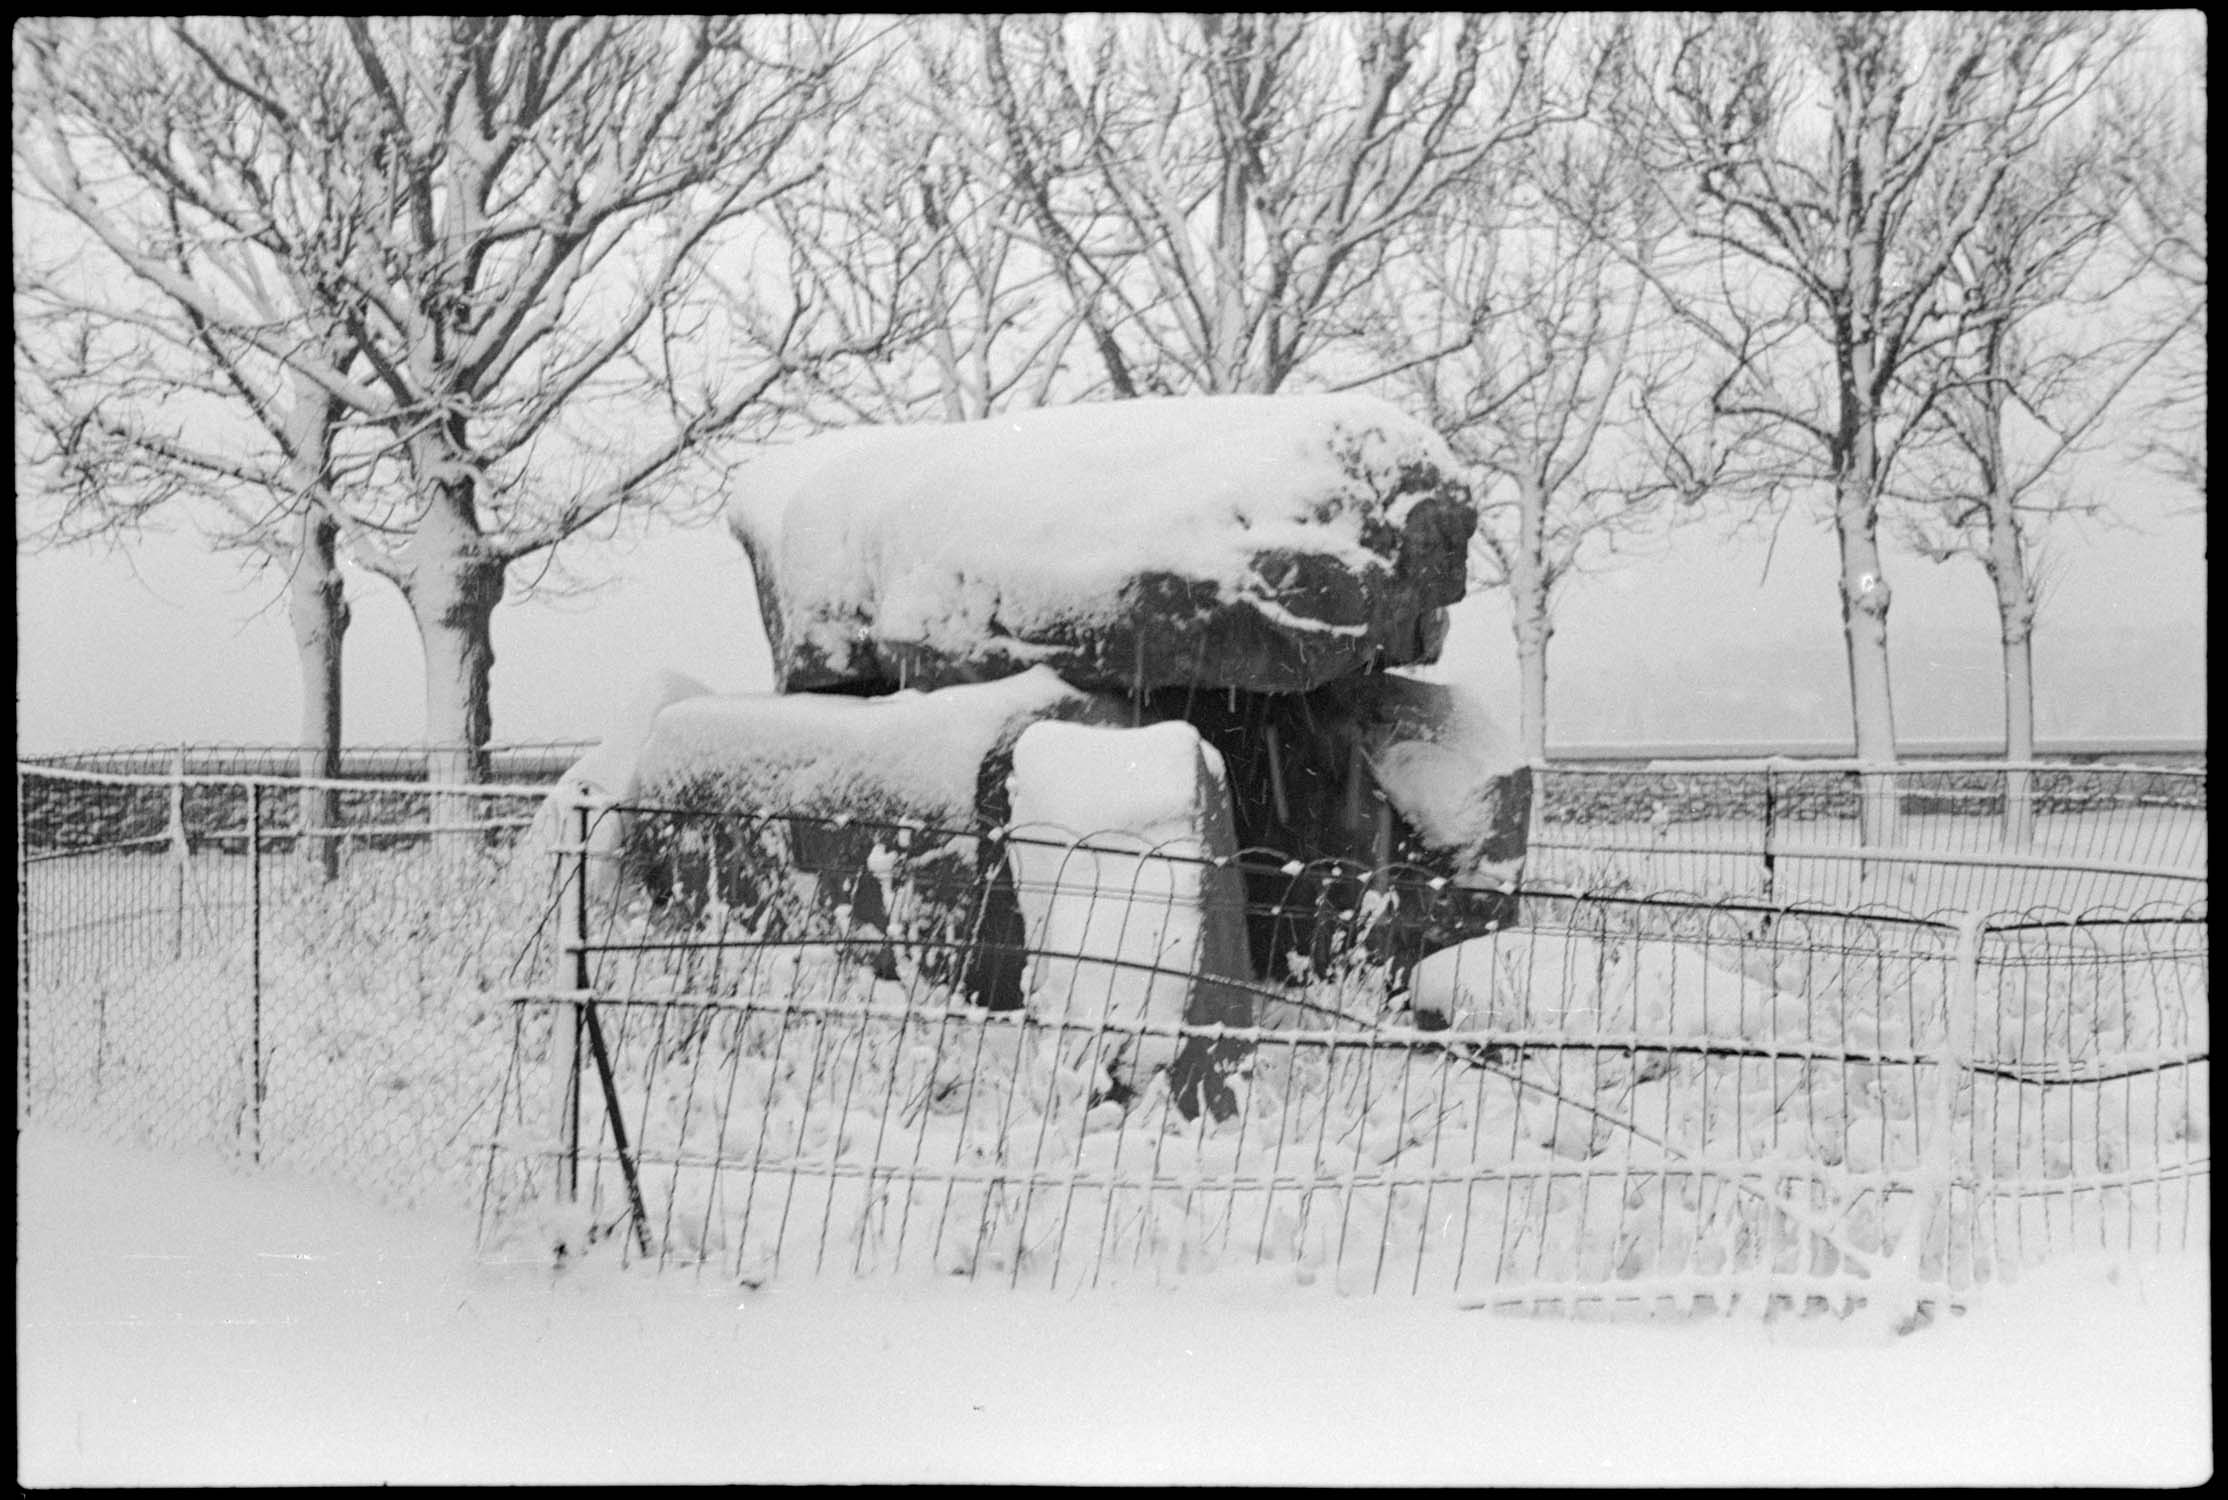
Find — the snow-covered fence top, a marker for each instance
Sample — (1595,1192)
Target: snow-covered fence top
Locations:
(1271,543)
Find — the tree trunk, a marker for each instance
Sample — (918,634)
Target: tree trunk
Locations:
(1531,663)
(1865,597)
(1227,368)
(2019,740)
(1856,470)
(2015,613)
(317,603)
(1864,629)
(455,582)
(1529,615)
(454,607)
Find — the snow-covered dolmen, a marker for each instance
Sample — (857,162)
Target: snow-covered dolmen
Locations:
(1171,627)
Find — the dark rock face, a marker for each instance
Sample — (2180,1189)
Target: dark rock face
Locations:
(1269,544)
(815,816)
(1360,775)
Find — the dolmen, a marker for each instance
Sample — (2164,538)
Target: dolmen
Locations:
(1119,690)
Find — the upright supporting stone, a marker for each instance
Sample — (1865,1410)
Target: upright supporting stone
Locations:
(1122,856)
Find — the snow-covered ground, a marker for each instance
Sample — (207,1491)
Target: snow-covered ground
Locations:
(178,1323)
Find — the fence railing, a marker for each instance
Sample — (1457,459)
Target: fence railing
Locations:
(774,1043)
(516,761)
(190,970)
(1942,836)
(1615,1100)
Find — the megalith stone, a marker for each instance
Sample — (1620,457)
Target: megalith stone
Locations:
(864,812)
(1122,850)
(1268,543)
(1363,775)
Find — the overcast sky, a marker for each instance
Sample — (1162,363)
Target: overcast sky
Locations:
(169,644)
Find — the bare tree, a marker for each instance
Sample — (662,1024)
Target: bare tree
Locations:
(2038,361)
(914,238)
(96,473)
(1835,164)
(1213,192)
(2160,123)
(1521,320)
(501,223)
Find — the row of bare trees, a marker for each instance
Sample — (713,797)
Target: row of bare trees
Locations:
(437,295)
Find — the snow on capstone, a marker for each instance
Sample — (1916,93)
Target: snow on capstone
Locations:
(1149,936)
(907,755)
(1270,543)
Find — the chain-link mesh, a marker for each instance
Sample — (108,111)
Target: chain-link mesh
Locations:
(751,1063)
(194,968)
(523,761)
(1965,837)
(776,1044)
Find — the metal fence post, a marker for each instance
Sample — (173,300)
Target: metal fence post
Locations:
(255,972)
(22,946)
(1771,836)
(180,852)
(1934,1112)
(572,975)
(1960,1035)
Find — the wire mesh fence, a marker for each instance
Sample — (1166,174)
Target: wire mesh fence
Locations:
(526,761)
(746,1066)
(1922,837)
(770,1044)
(197,966)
